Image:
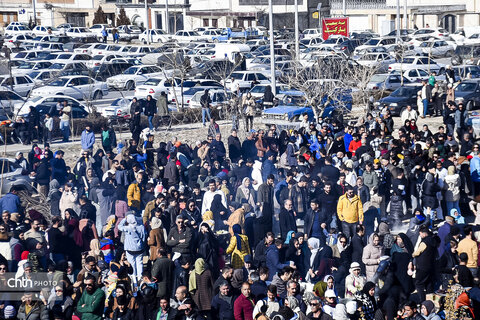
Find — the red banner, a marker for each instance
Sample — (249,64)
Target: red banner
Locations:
(334,26)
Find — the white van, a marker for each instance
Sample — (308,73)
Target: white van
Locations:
(229,50)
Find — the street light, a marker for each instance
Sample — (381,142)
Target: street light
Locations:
(146,21)
(297,46)
(272,48)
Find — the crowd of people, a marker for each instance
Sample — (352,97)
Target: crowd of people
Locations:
(329,221)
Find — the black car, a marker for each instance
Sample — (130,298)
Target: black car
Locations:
(400,99)
(469,92)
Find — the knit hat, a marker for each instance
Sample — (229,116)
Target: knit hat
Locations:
(9,312)
(428,305)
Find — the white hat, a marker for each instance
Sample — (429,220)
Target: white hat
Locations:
(351,307)
(330,294)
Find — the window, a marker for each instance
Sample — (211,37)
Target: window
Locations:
(83,81)
(260,76)
(412,73)
(251,77)
(22,80)
(205,22)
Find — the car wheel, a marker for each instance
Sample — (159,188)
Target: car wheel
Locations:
(215,40)
(130,85)
(470,105)
(97,95)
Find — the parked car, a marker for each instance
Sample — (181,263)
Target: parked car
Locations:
(23,107)
(377,61)
(468,91)
(133,76)
(219,99)
(386,81)
(418,62)
(437,48)
(246,79)
(78,87)
(8,99)
(399,99)
(21,84)
(154,35)
(12,174)
(18,30)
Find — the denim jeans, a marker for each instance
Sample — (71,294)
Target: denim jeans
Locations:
(451,205)
(150,123)
(206,111)
(136,260)
(425,107)
(64,126)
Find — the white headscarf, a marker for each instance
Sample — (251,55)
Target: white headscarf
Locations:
(314,243)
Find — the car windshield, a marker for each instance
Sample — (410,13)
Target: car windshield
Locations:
(403,92)
(294,100)
(192,91)
(379,78)
(426,44)
(34,74)
(131,70)
(98,57)
(408,60)
(59,83)
(8,95)
(26,65)
(237,76)
(331,41)
(57,66)
(372,42)
(152,82)
(466,87)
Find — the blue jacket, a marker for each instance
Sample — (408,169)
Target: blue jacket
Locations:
(268,167)
(88,139)
(134,236)
(10,202)
(273,261)
(59,170)
(475,168)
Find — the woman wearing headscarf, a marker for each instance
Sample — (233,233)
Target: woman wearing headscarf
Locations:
(321,287)
(95,250)
(321,259)
(98,166)
(53,197)
(236,218)
(354,282)
(430,187)
(43,172)
(200,286)
(290,235)
(134,244)
(455,214)
(34,157)
(428,310)
(208,248)
(156,237)
(294,253)
(401,256)
(371,255)
(238,247)
(246,194)
(448,263)
(217,207)
(367,298)
(294,305)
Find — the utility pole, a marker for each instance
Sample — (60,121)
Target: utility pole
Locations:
(399,21)
(167,24)
(35,13)
(146,22)
(344,8)
(297,46)
(319,8)
(272,48)
(405,15)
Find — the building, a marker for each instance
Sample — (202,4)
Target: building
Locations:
(381,15)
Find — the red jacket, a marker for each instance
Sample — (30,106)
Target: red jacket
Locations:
(243,308)
(354,145)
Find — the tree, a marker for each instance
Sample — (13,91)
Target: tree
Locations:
(99,16)
(122,18)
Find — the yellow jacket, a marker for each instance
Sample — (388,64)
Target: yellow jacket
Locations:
(147,213)
(134,195)
(470,247)
(238,255)
(350,210)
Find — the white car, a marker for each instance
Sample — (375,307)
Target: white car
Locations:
(43,31)
(437,48)
(17,30)
(120,107)
(25,55)
(28,66)
(134,76)
(138,51)
(41,77)
(246,79)
(378,61)
(386,81)
(60,66)
(154,35)
(311,42)
(155,86)
(131,29)
(12,40)
(73,57)
(85,48)
(97,29)
(100,59)
(432,32)
(386,43)
(188,36)
(473,39)
(20,84)
(217,96)
(78,87)
(22,108)
(79,32)
(8,99)
(420,62)
(102,48)
(311,33)
(333,41)
(65,26)
(414,75)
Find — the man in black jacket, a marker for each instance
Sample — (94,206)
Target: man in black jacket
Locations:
(234,147)
(330,172)
(287,219)
(265,203)
(424,260)
(316,221)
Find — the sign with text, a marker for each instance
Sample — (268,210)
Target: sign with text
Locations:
(334,26)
